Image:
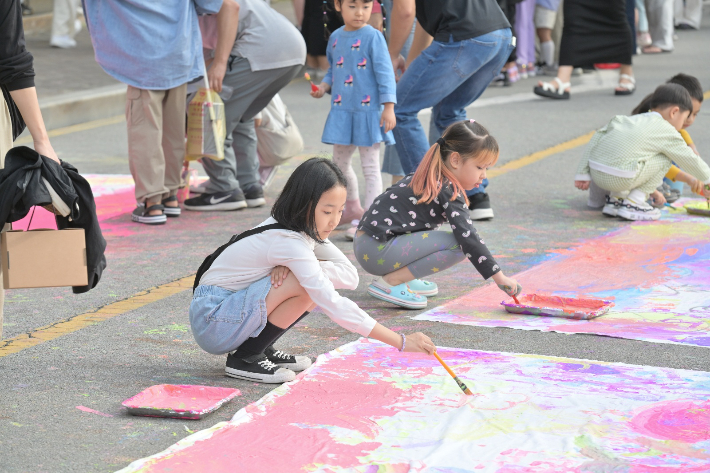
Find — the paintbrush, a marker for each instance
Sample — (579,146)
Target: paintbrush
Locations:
(515,299)
(314,87)
(463,387)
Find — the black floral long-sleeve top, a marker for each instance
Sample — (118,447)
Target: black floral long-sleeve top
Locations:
(396,212)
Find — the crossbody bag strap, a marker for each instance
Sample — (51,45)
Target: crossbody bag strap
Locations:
(207,263)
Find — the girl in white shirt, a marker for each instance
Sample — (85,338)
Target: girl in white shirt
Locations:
(263,284)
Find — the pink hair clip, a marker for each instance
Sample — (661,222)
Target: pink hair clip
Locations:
(471,120)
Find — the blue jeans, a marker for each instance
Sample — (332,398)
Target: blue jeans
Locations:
(448,77)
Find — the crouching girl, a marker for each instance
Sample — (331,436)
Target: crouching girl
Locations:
(263,283)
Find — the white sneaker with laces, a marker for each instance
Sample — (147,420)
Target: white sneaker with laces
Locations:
(611,208)
(635,207)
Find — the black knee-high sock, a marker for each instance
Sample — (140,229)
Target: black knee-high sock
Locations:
(256,345)
(290,327)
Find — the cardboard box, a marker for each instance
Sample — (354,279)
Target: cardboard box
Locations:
(43,258)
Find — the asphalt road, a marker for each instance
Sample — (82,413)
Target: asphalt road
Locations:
(537,210)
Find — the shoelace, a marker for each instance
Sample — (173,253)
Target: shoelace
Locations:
(281,355)
(267,365)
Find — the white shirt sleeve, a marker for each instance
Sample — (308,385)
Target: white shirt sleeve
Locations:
(294,252)
(336,266)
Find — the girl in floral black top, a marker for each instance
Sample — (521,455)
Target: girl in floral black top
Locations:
(398,238)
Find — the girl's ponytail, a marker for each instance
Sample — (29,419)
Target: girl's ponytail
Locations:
(467,138)
(427,179)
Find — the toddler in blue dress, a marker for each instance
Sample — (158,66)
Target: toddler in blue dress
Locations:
(361,81)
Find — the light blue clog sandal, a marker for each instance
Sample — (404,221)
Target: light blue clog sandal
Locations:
(423,288)
(399,295)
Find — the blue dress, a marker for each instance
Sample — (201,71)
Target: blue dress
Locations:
(361,80)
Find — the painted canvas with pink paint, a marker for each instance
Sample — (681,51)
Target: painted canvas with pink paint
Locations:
(657,274)
(182,401)
(367,408)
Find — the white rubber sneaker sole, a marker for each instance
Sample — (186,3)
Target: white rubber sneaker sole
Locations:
(396,301)
(628,214)
(610,210)
(222,206)
(281,375)
(256,202)
(481,214)
(302,363)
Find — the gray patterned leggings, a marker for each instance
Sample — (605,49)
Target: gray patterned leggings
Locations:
(424,253)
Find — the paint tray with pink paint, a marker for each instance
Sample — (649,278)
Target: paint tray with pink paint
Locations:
(179,401)
(556,306)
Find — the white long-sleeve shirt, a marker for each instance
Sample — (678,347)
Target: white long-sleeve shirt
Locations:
(319,268)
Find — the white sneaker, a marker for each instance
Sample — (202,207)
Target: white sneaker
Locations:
(611,208)
(631,210)
(64,42)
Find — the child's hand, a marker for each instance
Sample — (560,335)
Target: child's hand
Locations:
(657,197)
(388,119)
(323,88)
(419,343)
(278,275)
(582,185)
(695,185)
(706,191)
(508,285)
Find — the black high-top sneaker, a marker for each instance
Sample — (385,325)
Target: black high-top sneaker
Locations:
(257,368)
(286,360)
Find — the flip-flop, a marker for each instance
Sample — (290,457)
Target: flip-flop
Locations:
(549,91)
(628,87)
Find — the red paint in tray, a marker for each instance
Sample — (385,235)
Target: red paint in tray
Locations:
(558,306)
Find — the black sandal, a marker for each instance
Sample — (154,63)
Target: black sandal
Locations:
(171,211)
(549,91)
(142,214)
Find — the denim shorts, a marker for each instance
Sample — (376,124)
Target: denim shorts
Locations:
(221,320)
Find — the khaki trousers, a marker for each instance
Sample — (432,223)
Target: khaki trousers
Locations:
(5,145)
(64,17)
(156,140)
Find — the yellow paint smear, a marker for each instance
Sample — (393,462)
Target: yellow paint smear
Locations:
(56,330)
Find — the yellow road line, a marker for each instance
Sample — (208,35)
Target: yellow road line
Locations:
(72,324)
(534,157)
(76,128)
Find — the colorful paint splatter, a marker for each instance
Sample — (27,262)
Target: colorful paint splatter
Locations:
(367,408)
(656,274)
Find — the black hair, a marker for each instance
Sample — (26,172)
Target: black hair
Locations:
(669,95)
(296,206)
(328,9)
(691,84)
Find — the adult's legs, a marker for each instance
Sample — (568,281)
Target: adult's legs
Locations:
(64,23)
(456,63)
(146,158)
(244,136)
(660,22)
(689,12)
(173,142)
